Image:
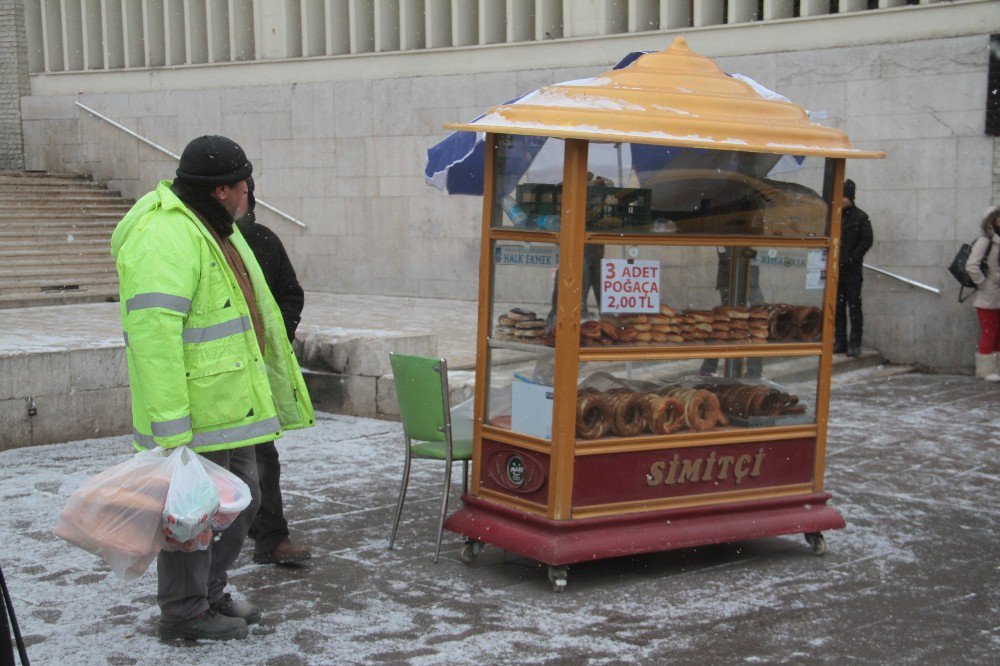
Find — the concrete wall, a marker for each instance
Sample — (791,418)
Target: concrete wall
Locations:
(13,84)
(346,157)
(76,394)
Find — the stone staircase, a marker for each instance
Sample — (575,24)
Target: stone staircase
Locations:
(55,239)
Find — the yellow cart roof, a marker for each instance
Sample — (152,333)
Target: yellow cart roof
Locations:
(675,97)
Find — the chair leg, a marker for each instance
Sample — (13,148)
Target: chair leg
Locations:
(402,494)
(465,477)
(444,508)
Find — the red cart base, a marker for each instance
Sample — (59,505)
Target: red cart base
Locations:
(569,541)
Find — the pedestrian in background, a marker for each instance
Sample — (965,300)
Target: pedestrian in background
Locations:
(210,366)
(855,240)
(270,528)
(986,253)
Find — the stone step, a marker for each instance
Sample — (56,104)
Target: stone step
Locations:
(7,219)
(17,274)
(95,294)
(34,226)
(42,175)
(56,243)
(67,230)
(57,252)
(97,257)
(37,285)
(57,192)
(68,206)
(34,196)
(49,184)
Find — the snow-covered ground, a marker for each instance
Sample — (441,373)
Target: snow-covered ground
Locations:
(913,579)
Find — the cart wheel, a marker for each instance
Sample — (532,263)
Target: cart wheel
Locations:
(818,543)
(557,576)
(470,551)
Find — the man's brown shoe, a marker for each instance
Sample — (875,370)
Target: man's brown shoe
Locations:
(285,552)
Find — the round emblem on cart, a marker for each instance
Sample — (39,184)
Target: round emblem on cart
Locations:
(515,470)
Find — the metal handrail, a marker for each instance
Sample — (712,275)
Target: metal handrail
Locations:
(177,157)
(912,283)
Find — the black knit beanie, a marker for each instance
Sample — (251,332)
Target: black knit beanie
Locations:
(213,160)
(849,189)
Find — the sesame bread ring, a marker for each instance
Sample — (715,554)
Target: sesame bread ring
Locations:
(593,415)
(629,413)
(809,323)
(666,414)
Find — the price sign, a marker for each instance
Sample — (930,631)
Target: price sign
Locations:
(630,286)
(816,269)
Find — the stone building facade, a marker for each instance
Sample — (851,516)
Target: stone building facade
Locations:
(13,83)
(339,142)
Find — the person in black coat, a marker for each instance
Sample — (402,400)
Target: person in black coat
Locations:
(269,529)
(855,240)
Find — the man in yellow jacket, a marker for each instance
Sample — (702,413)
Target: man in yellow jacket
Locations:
(210,365)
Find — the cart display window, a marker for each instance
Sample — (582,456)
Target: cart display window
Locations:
(656,398)
(651,399)
(721,295)
(637,188)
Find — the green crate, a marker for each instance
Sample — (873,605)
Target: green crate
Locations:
(618,208)
(608,208)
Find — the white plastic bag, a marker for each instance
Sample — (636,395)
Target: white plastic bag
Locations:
(192,500)
(215,484)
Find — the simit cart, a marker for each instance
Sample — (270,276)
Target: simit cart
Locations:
(690,405)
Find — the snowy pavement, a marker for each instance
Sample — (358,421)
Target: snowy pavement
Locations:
(913,579)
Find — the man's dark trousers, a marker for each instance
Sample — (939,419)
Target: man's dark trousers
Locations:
(270,527)
(849,306)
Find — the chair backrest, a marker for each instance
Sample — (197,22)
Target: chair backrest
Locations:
(422,392)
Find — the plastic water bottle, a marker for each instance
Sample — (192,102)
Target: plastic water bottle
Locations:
(548,222)
(513,211)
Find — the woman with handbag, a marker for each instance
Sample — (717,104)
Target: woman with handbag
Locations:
(983,267)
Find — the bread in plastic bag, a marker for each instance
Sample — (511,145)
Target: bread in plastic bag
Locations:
(192,500)
(117,514)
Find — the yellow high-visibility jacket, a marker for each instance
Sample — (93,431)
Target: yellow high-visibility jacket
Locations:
(195,368)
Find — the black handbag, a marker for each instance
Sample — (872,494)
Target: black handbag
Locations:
(957,269)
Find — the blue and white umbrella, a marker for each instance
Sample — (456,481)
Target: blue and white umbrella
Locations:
(456,164)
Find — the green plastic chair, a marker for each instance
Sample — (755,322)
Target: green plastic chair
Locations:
(422,391)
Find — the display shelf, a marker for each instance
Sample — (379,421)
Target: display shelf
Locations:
(687,350)
(521,234)
(514,345)
(707,240)
(716,437)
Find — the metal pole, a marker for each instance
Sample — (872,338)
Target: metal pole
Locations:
(177,157)
(914,283)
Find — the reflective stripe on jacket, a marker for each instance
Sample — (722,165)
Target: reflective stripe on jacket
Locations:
(195,368)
